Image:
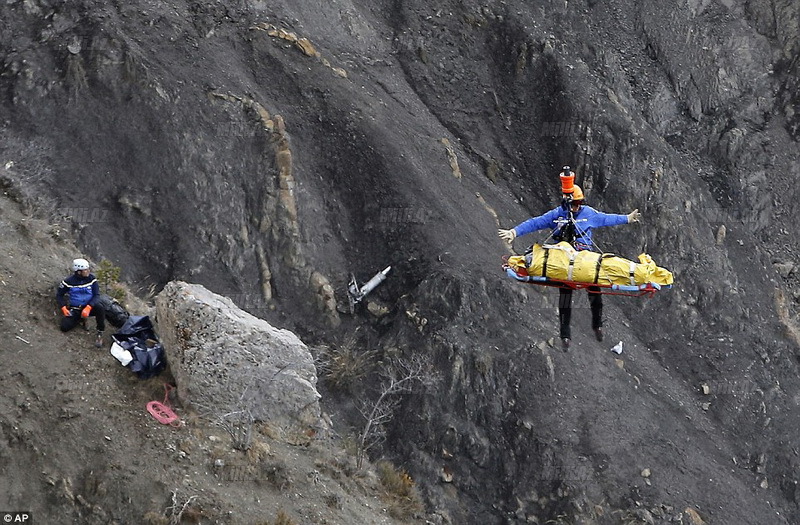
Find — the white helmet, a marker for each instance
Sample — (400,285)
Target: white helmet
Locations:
(80,264)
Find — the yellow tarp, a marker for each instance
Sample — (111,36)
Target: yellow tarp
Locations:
(563,262)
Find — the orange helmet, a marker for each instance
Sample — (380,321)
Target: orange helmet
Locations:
(577,193)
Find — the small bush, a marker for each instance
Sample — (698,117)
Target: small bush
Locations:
(341,367)
(284,519)
(257,452)
(400,491)
(108,276)
(154,518)
(396,481)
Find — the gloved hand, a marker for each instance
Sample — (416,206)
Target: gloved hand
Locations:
(634,216)
(65,311)
(86,310)
(507,235)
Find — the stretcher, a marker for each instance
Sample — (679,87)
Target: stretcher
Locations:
(560,265)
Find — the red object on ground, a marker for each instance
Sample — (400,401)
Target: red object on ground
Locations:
(162,411)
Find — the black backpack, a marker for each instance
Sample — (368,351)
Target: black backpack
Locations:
(115,313)
(139,338)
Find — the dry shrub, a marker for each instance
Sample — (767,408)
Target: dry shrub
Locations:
(154,518)
(284,519)
(257,452)
(265,429)
(343,366)
(400,491)
(183,510)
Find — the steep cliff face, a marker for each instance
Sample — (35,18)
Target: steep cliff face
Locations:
(267,151)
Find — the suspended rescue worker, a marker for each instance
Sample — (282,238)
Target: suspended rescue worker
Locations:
(76,295)
(573,222)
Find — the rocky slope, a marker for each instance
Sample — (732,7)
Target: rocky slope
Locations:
(78,446)
(267,151)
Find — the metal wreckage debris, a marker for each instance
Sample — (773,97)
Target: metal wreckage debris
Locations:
(355,293)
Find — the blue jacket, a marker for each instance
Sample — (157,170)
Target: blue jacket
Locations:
(80,291)
(586,220)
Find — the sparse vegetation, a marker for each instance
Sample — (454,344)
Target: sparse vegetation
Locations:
(399,377)
(343,366)
(257,452)
(238,420)
(108,276)
(176,513)
(400,491)
(154,518)
(284,519)
(239,424)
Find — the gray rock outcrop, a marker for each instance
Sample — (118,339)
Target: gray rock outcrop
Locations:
(226,360)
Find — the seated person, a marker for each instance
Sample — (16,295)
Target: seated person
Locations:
(76,295)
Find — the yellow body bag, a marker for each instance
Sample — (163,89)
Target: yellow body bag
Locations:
(564,263)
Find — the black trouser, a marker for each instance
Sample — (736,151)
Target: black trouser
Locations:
(68,323)
(565,309)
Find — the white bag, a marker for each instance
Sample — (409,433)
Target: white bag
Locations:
(122,355)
